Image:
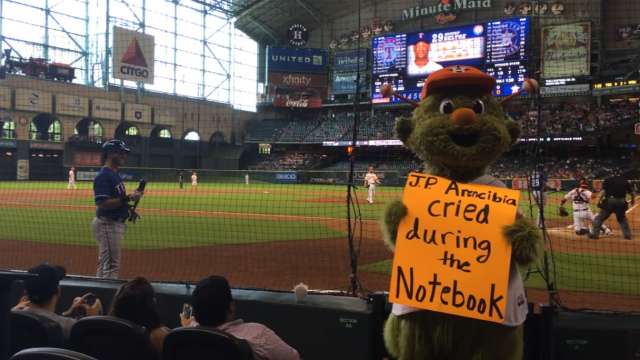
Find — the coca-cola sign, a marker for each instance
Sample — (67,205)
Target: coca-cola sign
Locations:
(297,100)
(299,90)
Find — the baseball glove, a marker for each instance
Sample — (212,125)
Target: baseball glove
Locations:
(563,212)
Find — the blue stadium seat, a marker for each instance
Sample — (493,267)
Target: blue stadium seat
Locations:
(50,354)
(203,343)
(111,338)
(30,330)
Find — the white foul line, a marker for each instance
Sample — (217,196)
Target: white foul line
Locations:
(634,206)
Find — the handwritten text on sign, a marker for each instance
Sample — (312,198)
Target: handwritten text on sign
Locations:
(451,255)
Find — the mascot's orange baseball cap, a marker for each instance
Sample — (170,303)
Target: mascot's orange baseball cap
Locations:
(458,76)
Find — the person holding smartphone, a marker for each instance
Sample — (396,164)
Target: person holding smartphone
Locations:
(213,307)
(42,295)
(135,301)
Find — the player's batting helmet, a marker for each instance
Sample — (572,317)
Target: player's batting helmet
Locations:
(114,146)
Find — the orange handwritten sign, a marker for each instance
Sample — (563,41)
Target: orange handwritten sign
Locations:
(451,255)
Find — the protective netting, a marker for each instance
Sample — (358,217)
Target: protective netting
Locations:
(286,222)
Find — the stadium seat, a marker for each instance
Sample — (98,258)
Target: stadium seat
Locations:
(202,343)
(30,330)
(47,353)
(111,338)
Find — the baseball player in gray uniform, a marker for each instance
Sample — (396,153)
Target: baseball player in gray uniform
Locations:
(112,208)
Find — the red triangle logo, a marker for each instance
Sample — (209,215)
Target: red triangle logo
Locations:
(133,55)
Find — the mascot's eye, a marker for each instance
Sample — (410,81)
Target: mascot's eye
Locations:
(446,106)
(478,107)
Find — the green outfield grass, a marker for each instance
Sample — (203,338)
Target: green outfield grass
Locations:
(586,272)
(204,216)
(71,227)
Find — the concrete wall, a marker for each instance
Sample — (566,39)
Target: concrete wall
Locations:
(205,117)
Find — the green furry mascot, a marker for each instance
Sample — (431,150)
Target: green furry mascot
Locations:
(458,129)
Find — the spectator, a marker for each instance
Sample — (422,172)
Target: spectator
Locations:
(213,307)
(135,301)
(43,294)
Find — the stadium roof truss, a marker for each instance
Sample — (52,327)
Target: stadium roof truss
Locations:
(79,32)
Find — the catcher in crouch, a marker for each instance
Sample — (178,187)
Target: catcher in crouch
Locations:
(582,214)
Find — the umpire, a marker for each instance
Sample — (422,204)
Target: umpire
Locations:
(112,208)
(613,200)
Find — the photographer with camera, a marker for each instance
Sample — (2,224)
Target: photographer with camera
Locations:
(43,294)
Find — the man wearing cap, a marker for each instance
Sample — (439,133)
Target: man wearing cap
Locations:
(613,200)
(43,294)
(421,64)
(580,198)
(112,208)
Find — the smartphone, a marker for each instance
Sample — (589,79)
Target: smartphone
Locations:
(187,310)
(90,299)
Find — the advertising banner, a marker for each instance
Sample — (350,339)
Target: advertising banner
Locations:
(347,60)
(345,83)
(137,113)
(84,158)
(566,50)
(297,90)
(72,105)
(287,177)
(33,100)
(106,109)
(133,55)
(296,60)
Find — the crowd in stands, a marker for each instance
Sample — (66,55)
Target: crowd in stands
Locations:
(558,119)
(568,119)
(560,168)
(135,302)
(288,161)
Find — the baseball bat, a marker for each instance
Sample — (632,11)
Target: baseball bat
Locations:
(134,215)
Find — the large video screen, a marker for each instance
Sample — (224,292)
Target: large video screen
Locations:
(507,54)
(405,60)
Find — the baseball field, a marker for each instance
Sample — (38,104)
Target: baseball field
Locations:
(274,236)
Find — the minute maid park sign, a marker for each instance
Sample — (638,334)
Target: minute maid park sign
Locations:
(444,10)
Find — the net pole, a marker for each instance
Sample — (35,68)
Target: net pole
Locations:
(351,207)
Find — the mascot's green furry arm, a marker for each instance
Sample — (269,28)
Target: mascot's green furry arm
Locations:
(458,129)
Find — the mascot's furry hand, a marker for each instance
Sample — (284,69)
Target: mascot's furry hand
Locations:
(394,213)
(525,241)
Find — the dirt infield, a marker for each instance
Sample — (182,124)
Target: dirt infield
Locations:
(321,263)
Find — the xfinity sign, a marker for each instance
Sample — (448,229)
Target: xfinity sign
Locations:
(133,55)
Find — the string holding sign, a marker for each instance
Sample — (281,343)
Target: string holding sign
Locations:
(451,255)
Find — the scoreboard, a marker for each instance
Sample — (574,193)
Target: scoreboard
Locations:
(405,60)
(507,54)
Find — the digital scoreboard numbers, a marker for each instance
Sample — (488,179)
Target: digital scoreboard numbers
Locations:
(506,54)
(389,62)
(406,60)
